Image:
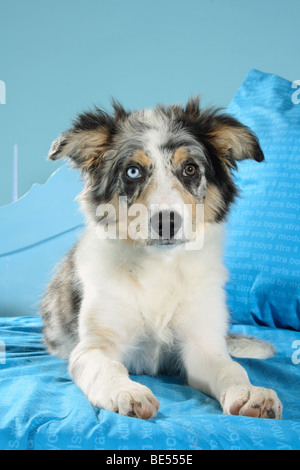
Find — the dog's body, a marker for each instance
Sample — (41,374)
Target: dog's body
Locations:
(149,304)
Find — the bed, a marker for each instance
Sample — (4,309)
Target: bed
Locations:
(41,408)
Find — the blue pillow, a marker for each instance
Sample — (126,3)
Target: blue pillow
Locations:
(263,232)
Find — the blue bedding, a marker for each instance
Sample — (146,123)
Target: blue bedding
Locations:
(41,408)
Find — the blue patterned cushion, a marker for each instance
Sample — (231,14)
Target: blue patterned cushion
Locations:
(263,242)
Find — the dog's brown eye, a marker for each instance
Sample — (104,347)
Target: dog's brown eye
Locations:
(189,170)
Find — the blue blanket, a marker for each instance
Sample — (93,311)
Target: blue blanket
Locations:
(41,408)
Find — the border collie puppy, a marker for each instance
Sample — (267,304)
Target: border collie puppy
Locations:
(139,293)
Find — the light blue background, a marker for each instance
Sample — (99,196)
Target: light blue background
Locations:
(59,57)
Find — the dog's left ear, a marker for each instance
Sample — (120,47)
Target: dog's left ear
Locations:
(233,141)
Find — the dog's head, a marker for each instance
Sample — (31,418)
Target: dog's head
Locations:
(163,160)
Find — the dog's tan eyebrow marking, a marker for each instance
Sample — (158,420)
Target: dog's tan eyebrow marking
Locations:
(141,158)
(181,155)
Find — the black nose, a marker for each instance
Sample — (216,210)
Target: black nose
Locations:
(166,224)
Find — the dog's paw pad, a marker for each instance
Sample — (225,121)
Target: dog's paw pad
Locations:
(255,402)
(135,400)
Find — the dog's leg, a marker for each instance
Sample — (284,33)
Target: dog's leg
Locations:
(106,383)
(211,370)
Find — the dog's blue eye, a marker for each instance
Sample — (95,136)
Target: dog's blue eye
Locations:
(133,172)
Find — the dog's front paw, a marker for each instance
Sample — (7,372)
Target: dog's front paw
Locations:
(135,400)
(128,398)
(251,401)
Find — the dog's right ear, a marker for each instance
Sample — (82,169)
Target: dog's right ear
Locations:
(89,138)
(84,148)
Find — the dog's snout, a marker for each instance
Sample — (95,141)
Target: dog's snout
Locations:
(166,224)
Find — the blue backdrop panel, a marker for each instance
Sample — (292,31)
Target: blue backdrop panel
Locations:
(35,233)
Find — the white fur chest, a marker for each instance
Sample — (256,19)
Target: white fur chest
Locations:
(158,294)
(141,295)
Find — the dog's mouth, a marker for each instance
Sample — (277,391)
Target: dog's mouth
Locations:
(165,242)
